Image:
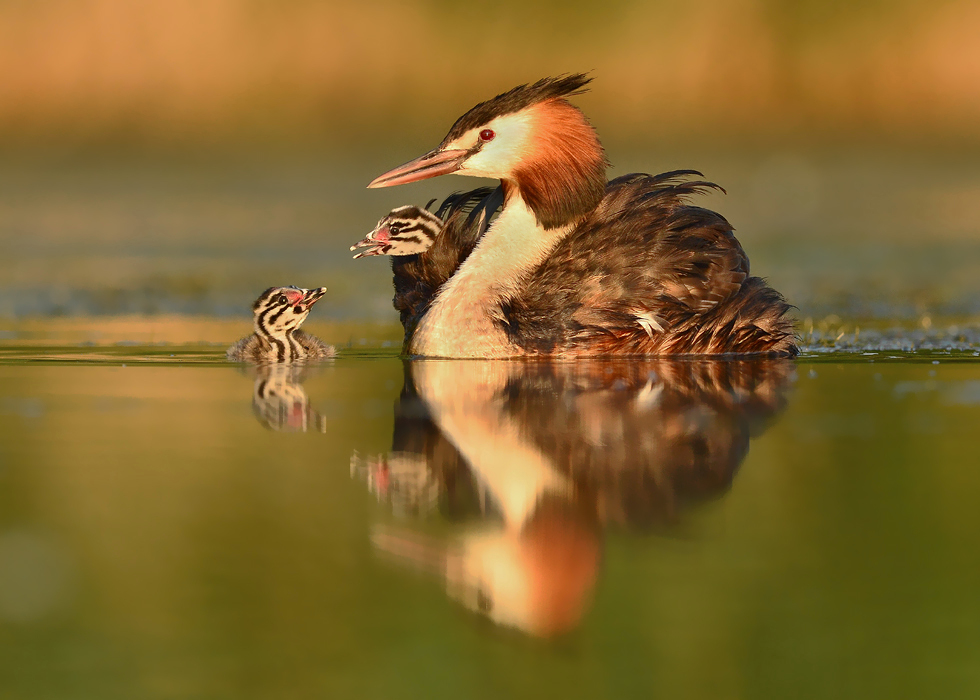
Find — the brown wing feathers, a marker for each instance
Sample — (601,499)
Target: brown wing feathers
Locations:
(647,273)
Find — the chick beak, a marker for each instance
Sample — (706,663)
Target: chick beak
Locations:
(432,164)
(311,297)
(377,240)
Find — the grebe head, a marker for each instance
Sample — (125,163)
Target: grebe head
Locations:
(281,310)
(406,230)
(531,138)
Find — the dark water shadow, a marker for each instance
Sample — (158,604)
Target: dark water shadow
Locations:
(530,463)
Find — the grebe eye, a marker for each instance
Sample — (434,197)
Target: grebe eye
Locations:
(487,135)
(394,229)
(282,299)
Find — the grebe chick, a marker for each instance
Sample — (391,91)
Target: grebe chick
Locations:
(426,248)
(576,266)
(407,230)
(279,312)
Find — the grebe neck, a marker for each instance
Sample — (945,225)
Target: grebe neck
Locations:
(464,319)
(285,344)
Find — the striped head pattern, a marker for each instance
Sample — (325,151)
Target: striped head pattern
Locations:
(281,310)
(406,230)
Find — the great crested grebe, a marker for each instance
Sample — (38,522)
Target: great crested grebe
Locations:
(426,248)
(279,312)
(574,265)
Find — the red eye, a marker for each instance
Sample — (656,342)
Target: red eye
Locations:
(487,135)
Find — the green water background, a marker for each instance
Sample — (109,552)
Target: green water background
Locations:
(162,163)
(156,541)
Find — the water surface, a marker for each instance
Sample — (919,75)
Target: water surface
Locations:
(172,526)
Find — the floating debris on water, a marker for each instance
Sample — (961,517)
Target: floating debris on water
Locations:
(830,335)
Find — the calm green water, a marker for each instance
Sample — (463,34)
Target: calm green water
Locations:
(171,526)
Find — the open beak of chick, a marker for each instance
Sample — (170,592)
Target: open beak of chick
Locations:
(378,242)
(309,298)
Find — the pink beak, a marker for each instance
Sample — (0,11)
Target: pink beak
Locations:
(312,296)
(309,298)
(376,243)
(432,164)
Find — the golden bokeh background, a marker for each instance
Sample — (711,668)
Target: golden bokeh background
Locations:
(178,156)
(200,72)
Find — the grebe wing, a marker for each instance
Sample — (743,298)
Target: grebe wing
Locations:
(646,242)
(479,204)
(642,273)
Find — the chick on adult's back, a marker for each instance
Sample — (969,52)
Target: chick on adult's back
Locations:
(427,248)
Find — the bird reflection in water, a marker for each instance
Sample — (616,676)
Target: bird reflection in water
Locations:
(279,400)
(546,456)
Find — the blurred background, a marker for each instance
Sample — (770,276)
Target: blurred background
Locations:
(163,161)
(176,157)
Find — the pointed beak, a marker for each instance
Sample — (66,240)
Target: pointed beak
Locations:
(432,164)
(413,549)
(312,296)
(377,240)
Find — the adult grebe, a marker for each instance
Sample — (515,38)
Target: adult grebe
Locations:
(576,266)
(279,312)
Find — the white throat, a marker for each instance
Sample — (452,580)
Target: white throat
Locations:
(463,320)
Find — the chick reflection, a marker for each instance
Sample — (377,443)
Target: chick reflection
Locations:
(279,400)
(548,455)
